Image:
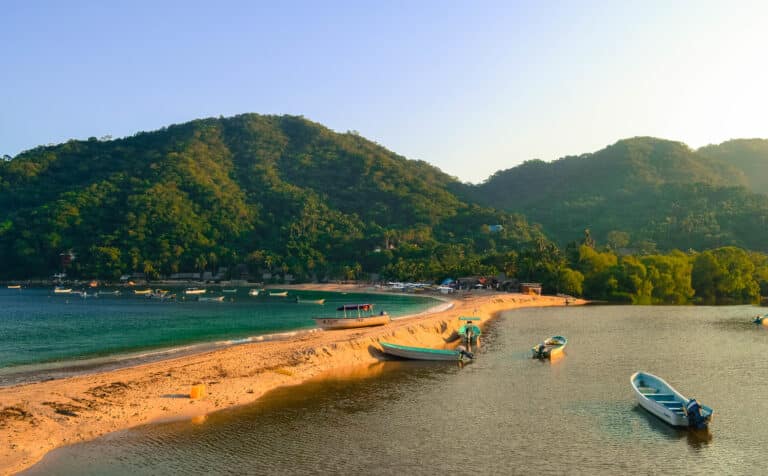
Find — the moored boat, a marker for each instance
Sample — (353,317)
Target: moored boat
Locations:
(253,292)
(425,353)
(469,332)
(353,315)
(211,299)
(14,286)
(108,293)
(552,347)
(309,301)
(661,399)
(279,294)
(194,291)
(229,291)
(142,292)
(61,290)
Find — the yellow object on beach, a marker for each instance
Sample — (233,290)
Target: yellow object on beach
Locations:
(198,391)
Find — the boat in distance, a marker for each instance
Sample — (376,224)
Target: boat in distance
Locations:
(552,347)
(194,291)
(61,290)
(279,294)
(309,301)
(14,286)
(253,292)
(211,299)
(661,399)
(352,316)
(425,353)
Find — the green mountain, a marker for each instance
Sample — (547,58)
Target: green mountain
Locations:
(641,193)
(748,155)
(262,194)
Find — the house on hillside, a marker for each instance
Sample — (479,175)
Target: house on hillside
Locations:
(531,288)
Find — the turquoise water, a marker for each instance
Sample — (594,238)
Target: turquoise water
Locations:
(504,413)
(38,327)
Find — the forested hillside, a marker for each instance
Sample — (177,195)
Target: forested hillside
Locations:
(278,194)
(641,194)
(748,155)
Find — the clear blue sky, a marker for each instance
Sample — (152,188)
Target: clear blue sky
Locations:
(472,87)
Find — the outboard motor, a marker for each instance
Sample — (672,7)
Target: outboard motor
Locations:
(463,352)
(693,411)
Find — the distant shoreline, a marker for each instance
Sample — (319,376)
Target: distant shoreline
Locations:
(38,417)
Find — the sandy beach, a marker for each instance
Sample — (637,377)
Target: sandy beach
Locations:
(38,417)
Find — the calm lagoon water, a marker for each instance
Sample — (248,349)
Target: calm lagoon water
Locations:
(41,331)
(501,414)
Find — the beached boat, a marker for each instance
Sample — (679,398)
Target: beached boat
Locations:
(761,320)
(142,292)
(662,400)
(211,299)
(425,353)
(279,294)
(469,332)
(309,301)
(352,316)
(194,291)
(14,286)
(229,291)
(253,292)
(61,290)
(551,348)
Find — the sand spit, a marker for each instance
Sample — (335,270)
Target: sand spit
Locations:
(38,417)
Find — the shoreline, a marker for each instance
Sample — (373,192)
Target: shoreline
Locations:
(36,418)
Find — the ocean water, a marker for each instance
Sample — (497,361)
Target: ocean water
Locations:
(41,331)
(504,413)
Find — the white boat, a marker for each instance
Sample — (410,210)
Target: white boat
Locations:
(229,291)
(279,294)
(661,399)
(61,290)
(424,353)
(194,291)
(14,286)
(142,292)
(211,299)
(253,292)
(108,293)
(353,316)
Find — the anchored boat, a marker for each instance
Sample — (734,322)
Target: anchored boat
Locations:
(469,332)
(660,398)
(551,348)
(353,315)
(425,353)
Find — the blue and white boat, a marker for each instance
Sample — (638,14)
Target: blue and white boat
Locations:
(660,398)
(424,353)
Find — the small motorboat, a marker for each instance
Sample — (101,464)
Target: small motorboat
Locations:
(309,301)
(108,293)
(551,348)
(660,398)
(211,299)
(142,292)
(194,291)
(279,294)
(469,332)
(61,290)
(350,316)
(229,291)
(253,292)
(14,286)
(425,353)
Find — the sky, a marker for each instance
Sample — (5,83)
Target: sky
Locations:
(472,87)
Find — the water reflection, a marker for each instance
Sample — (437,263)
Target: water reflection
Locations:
(503,414)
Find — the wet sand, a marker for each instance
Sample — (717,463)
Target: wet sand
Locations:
(38,417)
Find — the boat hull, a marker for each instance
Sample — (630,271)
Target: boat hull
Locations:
(420,353)
(351,322)
(659,398)
(550,351)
